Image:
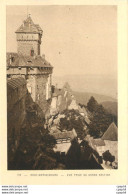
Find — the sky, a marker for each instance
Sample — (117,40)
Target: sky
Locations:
(77,40)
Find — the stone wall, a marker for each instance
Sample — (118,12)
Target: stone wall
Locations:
(27,36)
(41,90)
(48,87)
(29,71)
(31,86)
(25,47)
(16,71)
(39,86)
(53,107)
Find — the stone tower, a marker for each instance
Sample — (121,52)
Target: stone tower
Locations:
(28,37)
(29,64)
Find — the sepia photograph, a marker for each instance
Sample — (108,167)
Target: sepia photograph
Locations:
(62,87)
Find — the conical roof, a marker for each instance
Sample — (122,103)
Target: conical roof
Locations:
(111,133)
(28,26)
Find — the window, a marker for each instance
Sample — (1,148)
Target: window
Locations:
(32,52)
(8,76)
(12,59)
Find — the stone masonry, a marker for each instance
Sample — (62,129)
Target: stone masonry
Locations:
(28,63)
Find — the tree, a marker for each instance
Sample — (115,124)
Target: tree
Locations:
(44,157)
(73,119)
(47,141)
(92,104)
(108,157)
(44,162)
(100,121)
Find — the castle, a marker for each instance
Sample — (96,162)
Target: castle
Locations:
(29,64)
(28,75)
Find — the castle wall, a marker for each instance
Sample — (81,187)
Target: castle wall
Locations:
(38,85)
(48,88)
(53,107)
(25,47)
(27,36)
(31,86)
(37,72)
(29,71)
(41,90)
(12,71)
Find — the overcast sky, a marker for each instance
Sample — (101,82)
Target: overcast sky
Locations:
(76,39)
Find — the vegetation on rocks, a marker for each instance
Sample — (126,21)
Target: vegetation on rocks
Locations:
(100,118)
(73,119)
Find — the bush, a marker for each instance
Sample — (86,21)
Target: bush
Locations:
(108,157)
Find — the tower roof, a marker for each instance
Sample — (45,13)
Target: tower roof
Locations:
(112,133)
(28,26)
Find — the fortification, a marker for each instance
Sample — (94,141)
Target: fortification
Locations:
(29,64)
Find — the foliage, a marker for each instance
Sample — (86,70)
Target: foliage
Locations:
(32,140)
(108,157)
(82,105)
(73,120)
(92,104)
(47,141)
(43,161)
(100,119)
